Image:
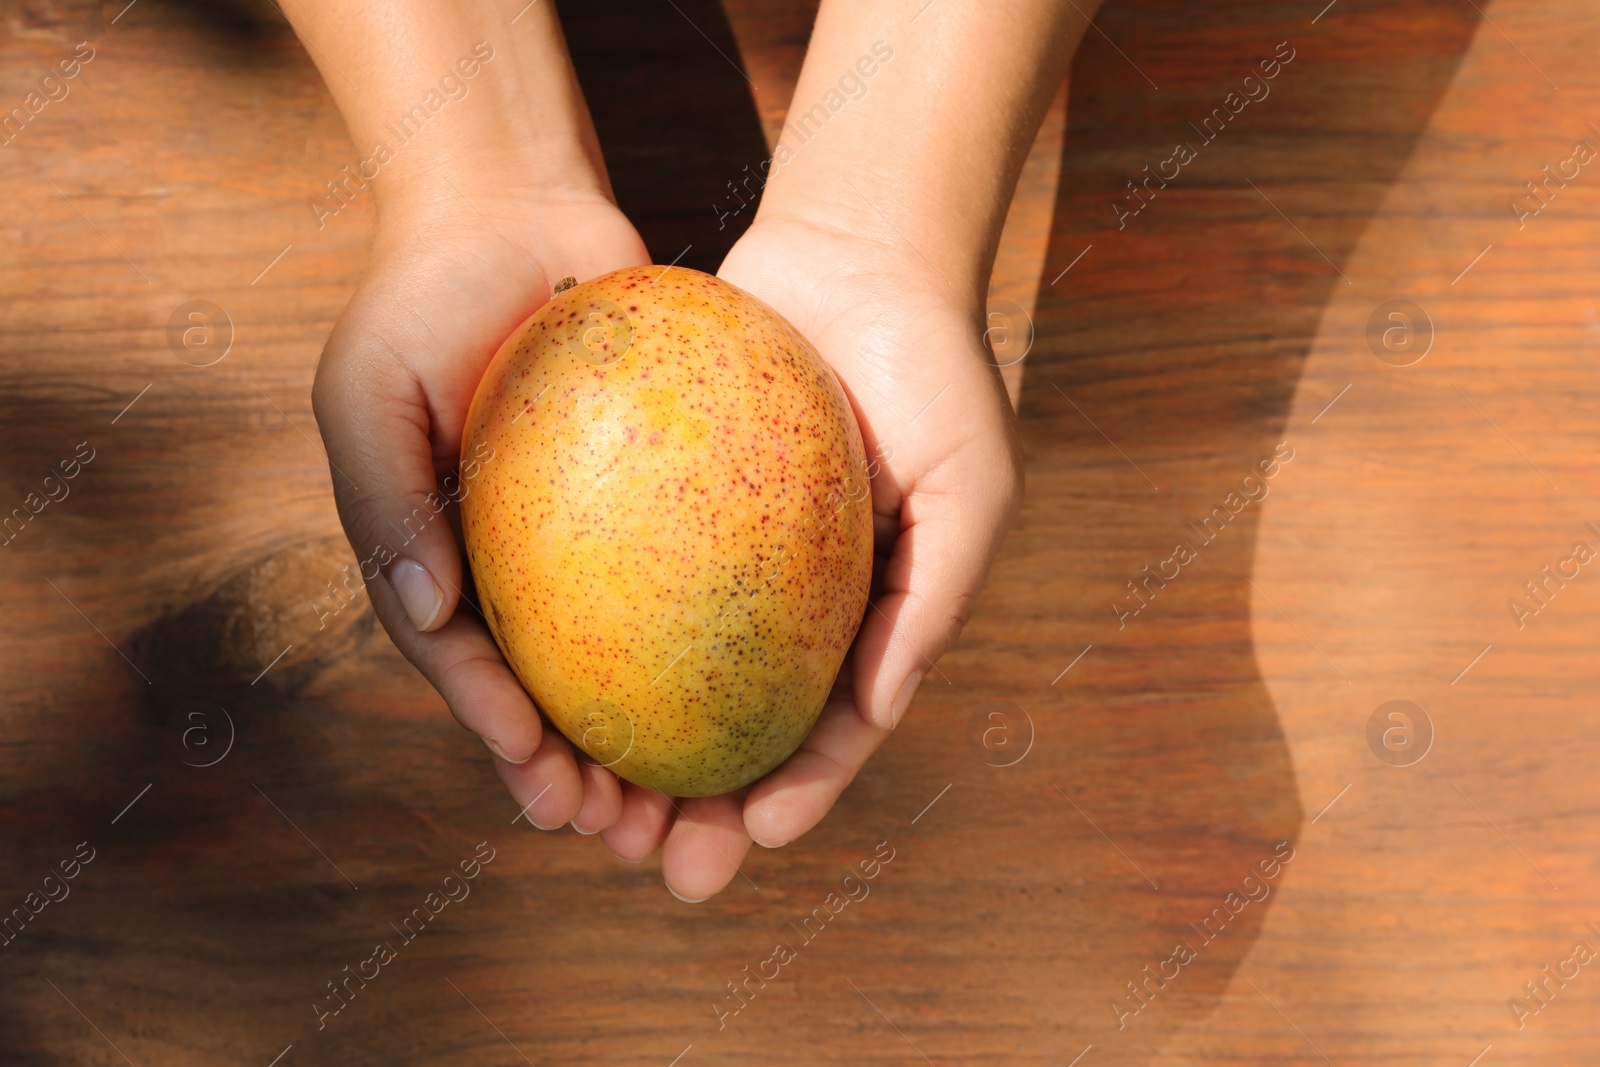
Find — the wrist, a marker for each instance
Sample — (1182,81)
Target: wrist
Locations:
(495,147)
(514,191)
(853,250)
(492,156)
(453,102)
(540,233)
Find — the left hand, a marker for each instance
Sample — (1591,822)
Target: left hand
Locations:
(941,436)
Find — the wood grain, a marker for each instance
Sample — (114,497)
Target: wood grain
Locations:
(1097,789)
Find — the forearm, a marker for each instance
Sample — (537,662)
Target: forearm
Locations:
(443,98)
(926,158)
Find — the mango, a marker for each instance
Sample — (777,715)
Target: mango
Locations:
(669,525)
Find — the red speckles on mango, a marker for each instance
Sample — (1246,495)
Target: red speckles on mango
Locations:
(689,569)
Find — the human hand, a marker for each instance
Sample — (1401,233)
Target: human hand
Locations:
(875,238)
(451,277)
(479,214)
(946,483)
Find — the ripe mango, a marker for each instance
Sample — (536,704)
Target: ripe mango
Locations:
(672,541)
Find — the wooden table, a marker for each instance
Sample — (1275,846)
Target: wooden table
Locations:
(1079,788)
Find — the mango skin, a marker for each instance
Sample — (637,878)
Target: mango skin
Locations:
(672,536)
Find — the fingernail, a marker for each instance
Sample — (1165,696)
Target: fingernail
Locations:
(902,699)
(581,830)
(494,746)
(685,899)
(542,826)
(767,844)
(625,859)
(418,591)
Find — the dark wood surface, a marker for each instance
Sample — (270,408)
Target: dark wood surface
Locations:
(1227,721)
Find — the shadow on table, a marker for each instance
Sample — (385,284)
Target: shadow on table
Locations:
(1166,361)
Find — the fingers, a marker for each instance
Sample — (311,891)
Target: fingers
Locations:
(386,399)
(705,846)
(464,664)
(795,797)
(702,839)
(602,799)
(375,417)
(951,524)
(548,786)
(642,826)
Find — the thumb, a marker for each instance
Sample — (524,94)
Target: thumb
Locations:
(375,418)
(383,432)
(951,523)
